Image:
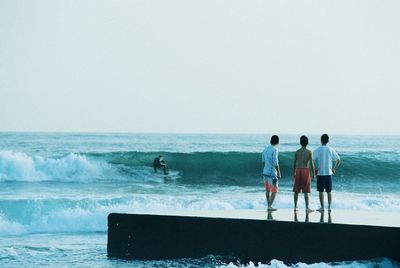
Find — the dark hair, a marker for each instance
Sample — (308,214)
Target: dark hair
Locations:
(274,140)
(324,139)
(303,141)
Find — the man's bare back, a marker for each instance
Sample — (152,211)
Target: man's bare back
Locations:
(302,157)
(301,172)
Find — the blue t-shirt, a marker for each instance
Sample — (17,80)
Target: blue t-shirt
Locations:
(270,160)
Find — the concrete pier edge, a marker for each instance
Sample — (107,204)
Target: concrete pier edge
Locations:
(157,237)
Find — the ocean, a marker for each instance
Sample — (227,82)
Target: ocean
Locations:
(58,188)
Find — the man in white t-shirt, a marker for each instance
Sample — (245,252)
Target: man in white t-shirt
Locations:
(323,158)
(271,171)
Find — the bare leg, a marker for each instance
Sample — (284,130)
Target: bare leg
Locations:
(295,197)
(270,199)
(307,200)
(329,201)
(321,201)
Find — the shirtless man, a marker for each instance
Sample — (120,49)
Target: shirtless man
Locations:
(301,172)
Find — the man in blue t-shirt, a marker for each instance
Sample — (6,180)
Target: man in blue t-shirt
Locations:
(271,171)
(323,157)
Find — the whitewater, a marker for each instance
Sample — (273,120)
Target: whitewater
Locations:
(58,188)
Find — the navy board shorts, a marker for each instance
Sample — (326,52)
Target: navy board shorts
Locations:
(324,183)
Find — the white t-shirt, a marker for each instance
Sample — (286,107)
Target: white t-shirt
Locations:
(270,159)
(323,157)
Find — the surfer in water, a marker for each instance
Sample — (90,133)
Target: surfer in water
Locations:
(159,162)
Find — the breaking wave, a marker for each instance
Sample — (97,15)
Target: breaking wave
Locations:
(225,168)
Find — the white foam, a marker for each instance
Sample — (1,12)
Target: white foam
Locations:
(72,214)
(18,166)
(377,263)
(10,227)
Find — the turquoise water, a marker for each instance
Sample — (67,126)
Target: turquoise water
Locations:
(57,189)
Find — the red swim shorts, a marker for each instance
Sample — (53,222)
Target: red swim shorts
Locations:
(271,184)
(302,180)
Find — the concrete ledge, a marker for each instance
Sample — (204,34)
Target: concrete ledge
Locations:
(252,237)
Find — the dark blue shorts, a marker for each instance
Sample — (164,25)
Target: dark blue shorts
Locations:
(324,183)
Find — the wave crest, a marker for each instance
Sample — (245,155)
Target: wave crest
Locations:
(18,166)
(206,168)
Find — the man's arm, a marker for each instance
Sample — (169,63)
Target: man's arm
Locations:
(312,166)
(294,164)
(276,164)
(314,158)
(336,166)
(278,171)
(337,158)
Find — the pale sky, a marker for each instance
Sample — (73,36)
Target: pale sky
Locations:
(218,66)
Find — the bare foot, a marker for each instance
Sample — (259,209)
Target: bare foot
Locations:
(321,209)
(295,208)
(309,210)
(272,209)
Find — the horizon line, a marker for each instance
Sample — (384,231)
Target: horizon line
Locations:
(189,133)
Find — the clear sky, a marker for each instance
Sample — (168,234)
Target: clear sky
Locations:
(200,66)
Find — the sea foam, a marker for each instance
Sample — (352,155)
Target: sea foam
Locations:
(375,263)
(74,215)
(18,166)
